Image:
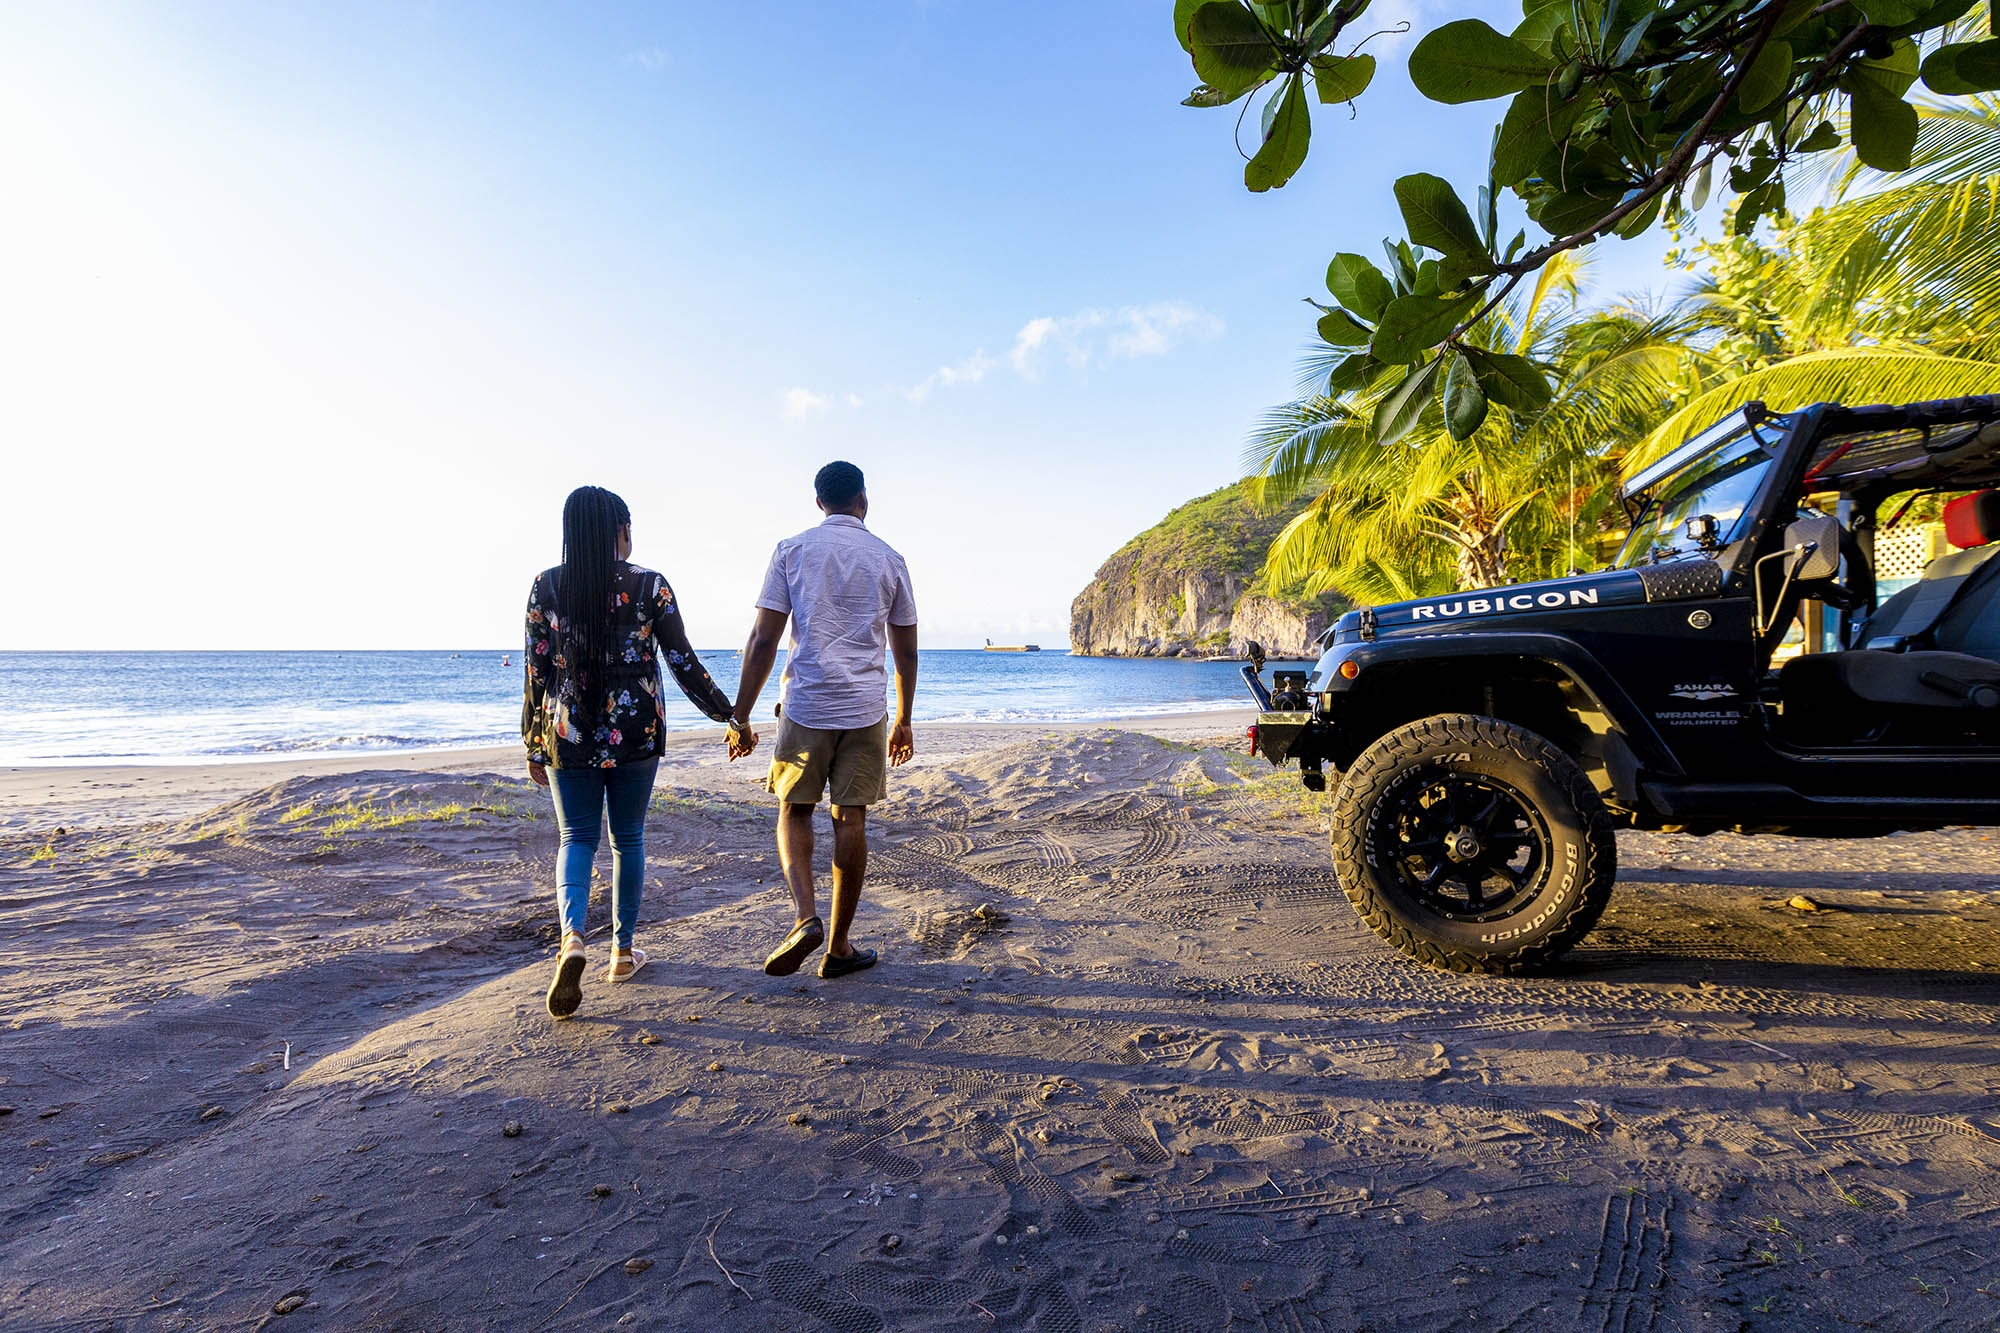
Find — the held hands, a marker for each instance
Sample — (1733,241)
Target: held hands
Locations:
(539,772)
(741,738)
(901,745)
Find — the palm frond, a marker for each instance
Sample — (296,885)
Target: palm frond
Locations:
(1850,375)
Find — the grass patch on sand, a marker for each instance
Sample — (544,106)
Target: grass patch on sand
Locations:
(1282,795)
(376,817)
(711,807)
(45,852)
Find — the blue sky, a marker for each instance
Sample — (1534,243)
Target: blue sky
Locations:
(316,312)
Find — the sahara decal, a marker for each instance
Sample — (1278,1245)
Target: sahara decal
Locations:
(1703,692)
(1504,602)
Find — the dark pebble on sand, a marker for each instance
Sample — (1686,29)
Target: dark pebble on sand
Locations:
(637,1266)
(290,1301)
(1124,1177)
(6,1110)
(619,1108)
(715,1066)
(512,1129)
(892,1241)
(798,1118)
(601,1191)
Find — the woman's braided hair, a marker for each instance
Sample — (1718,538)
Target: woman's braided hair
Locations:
(585,587)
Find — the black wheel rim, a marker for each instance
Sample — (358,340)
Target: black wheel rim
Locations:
(1463,846)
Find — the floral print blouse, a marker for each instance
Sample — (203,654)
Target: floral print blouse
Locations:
(646,624)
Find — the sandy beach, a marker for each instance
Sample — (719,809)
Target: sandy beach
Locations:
(275,1054)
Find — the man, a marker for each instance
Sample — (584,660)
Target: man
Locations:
(847,595)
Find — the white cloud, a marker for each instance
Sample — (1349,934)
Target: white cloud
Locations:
(969,371)
(802,403)
(1085,338)
(1099,334)
(648,57)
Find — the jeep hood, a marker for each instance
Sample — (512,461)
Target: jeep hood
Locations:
(1452,612)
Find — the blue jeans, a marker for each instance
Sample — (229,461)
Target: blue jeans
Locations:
(583,797)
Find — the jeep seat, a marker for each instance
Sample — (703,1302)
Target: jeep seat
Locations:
(1941,605)
(1818,682)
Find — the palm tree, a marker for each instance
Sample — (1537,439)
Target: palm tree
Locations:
(1884,295)
(1515,500)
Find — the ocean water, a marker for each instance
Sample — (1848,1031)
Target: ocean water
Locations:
(140,707)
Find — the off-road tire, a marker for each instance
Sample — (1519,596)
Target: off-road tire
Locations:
(1560,903)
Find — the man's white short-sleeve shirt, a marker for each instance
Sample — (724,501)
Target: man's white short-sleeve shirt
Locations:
(843,587)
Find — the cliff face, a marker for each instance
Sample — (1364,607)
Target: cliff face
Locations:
(1189,587)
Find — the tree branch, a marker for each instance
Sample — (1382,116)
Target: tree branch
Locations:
(1670,170)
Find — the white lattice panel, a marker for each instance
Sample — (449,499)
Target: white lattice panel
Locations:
(1902,553)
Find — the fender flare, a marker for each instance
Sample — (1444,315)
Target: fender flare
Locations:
(1563,655)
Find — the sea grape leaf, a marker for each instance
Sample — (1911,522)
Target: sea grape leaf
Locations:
(1352,373)
(1342,78)
(1960,68)
(1883,125)
(1509,380)
(1467,61)
(1358,285)
(1534,124)
(1401,407)
(1183,16)
(1633,36)
(1412,325)
(1464,400)
(1766,198)
(1437,217)
(1341,329)
(1768,77)
(1284,149)
(1889,13)
(1893,74)
(1206,96)
(1698,188)
(1230,48)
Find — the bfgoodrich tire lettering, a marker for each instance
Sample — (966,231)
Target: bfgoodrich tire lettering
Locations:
(1472,844)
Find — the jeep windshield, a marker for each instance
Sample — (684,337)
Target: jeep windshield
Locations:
(1716,474)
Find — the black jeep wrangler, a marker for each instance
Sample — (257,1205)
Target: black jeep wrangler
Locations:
(1488,744)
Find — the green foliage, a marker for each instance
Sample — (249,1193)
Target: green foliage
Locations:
(1498,480)
(1622,113)
(1342,78)
(1285,140)
(1467,61)
(1226,531)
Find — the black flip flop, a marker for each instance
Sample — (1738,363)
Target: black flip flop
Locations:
(808,935)
(833,965)
(566,992)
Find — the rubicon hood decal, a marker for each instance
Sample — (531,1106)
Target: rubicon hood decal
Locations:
(1501,601)
(1621,587)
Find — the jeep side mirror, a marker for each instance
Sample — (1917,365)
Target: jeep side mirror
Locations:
(1255,652)
(1816,539)
(1811,554)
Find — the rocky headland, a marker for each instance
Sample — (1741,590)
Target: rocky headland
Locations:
(1192,586)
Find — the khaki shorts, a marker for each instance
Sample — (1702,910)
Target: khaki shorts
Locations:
(851,766)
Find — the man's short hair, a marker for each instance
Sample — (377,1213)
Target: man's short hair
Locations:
(837,485)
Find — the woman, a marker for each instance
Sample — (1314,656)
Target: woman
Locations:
(597,626)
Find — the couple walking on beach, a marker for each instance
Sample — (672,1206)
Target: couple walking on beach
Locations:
(598,629)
